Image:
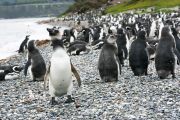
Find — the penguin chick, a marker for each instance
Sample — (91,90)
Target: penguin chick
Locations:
(36,63)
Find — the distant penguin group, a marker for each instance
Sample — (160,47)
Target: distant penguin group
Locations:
(161,45)
(73,45)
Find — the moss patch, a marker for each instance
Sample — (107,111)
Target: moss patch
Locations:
(137,4)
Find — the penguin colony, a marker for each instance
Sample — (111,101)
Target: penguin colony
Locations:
(133,37)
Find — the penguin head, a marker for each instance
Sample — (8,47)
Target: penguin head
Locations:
(165,31)
(142,35)
(31,46)
(17,69)
(174,31)
(111,39)
(26,40)
(53,31)
(56,43)
(120,31)
(27,36)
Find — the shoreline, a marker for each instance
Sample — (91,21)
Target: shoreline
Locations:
(63,23)
(52,22)
(39,43)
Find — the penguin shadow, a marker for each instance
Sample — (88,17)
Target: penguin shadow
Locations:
(95,82)
(62,102)
(153,78)
(38,81)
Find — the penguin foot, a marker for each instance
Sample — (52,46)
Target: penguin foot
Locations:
(173,76)
(53,101)
(69,99)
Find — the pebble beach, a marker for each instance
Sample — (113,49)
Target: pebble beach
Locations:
(131,98)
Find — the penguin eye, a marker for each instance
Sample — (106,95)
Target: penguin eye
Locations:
(112,36)
(56,31)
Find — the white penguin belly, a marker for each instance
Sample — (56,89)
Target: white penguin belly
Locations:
(30,72)
(60,76)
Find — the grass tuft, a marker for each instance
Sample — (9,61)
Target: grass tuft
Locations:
(138,4)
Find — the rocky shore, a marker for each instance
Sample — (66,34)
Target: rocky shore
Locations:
(131,98)
(62,23)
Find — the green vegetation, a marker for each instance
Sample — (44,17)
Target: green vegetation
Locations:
(84,5)
(136,4)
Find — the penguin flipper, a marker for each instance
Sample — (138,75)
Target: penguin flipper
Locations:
(21,49)
(177,54)
(46,76)
(26,66)
(119,63)
(73,69)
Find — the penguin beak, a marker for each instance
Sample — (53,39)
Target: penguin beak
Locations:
(48,29)
(52,44)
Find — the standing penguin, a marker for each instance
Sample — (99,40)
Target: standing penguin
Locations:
(36,62)
(121,43)
(177,40)
(108,63)
(23,45)
(138,55)
(60,73)
(165,54)
(176,37)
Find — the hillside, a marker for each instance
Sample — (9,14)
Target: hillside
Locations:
(84,5)
(136,4)
(116,6)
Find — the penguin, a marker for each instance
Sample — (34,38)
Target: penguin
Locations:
(23,45)
(35,62)
(69,34)
(97,44)
(165,54)
(77,42)
(11,68)
(9,72)
(138,55)
(86,34)
(78,48)
(108,63)
(176,37)
(151,48)
(54,32)
(59,73)
(3,74)
(121,43)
